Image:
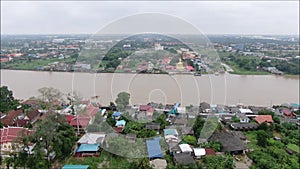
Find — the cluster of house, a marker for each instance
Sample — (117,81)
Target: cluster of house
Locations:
(17,121)
(48,48)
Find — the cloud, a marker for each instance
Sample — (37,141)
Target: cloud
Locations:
(210,17)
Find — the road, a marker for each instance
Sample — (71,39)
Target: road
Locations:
(228,68)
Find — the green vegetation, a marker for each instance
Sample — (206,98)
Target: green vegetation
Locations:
(122,101)
(190,140)
(247,65)
(219,162)
(34,64)
(7,100)
(53,135)
(270,153)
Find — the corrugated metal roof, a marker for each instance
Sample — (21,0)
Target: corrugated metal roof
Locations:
(153,148)
(67,166)
(88,147)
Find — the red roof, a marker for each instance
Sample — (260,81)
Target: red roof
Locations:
(10,117)
(118,129)
(69,118)
(264,118)
(31,102)
(144,107)
(80,121)
(21,123)
(4,59)
(33,114)
(9,134)
(92,110)
(287,112)
(210,152)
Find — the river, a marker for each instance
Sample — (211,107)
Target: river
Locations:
(260,90)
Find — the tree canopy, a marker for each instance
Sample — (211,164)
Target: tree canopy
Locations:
(122,100)
(7,100)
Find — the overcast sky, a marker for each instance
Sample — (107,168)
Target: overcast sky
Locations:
(209,17)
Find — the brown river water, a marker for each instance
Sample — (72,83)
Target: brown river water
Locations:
(260,90)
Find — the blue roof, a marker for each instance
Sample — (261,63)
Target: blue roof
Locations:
(116,114)
(68,166)
(121,123)
(153,148)
(88,147)
(176,105)
(170,132)
(295,105)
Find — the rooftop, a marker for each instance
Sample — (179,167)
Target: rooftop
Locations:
(263,118)
(92,138)
(153,148)
(88,148)
(69,166)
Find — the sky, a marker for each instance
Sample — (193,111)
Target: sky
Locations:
(218,17)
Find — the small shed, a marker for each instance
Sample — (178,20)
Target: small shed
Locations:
(185,148)
(199,152)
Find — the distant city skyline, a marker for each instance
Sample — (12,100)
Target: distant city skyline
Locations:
(219,17)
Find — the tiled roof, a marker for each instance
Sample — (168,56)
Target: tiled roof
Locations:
(33,114)
(9,134)
(10,117)
(80,121)
(144,107)
(264,118)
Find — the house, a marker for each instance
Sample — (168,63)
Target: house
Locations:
(185,148)
(264,118)
(92,138)
(87,150)
(80,123)
(187,131)
(10,118)
(287,113)
(33,115)
(154,148)
(245,111)
(116,115)
(147,109)
(9,136)
(243,118)
(244,126)
(210,152)
(230,142)
(204,107)
(120,123)
(199,152)
(183,158)
(170,132)
(69,166)
(174,147)
(32,103)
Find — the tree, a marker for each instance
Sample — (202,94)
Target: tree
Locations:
(198,125)
(262,138)
(49,94)
(53,134)
(7,100)
(190,140)
(122,101)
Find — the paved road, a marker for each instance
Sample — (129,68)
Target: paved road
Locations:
(228,68)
